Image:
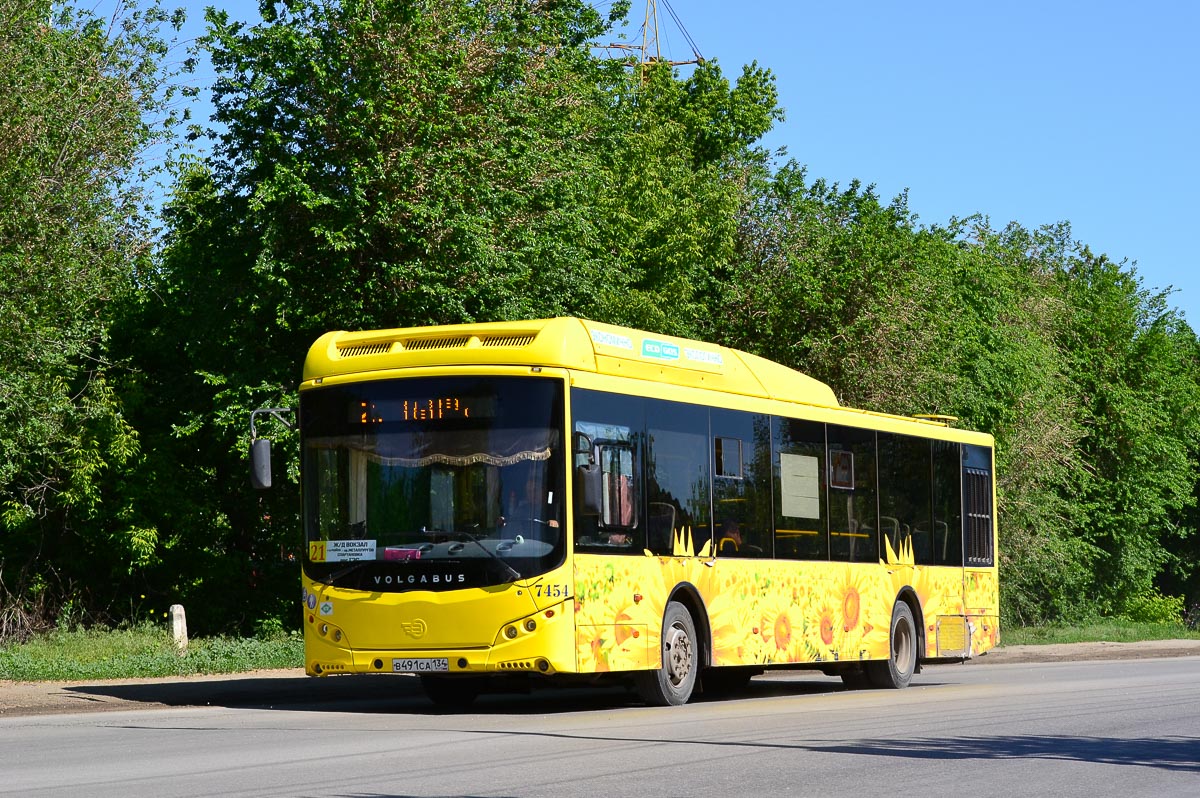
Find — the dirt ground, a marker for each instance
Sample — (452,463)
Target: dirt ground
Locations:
(285,686)
(51,698)
(1082,652)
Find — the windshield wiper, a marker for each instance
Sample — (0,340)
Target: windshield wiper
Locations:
(512,572)
(345,571)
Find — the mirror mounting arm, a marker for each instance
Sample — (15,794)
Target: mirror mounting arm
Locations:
(278,413)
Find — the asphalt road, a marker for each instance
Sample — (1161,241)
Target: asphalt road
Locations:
(1126,727)
(291,688)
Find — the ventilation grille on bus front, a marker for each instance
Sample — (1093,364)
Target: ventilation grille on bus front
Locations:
(365,349)
(419,344)
(426,344)
(507,340)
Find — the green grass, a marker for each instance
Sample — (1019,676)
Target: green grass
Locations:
(141,651)
(1111,630)
(147,651)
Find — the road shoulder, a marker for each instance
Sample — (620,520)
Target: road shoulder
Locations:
(1083,652)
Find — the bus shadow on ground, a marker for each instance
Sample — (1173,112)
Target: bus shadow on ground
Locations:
(392,694)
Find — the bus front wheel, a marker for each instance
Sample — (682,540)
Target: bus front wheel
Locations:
(672,684)
(901,663)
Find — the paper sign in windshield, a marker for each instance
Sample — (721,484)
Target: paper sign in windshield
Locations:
(341,550)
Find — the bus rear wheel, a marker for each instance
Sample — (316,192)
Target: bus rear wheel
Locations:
(901,663)
(673,683)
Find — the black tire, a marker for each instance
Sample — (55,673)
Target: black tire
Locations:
(897,672)
(451,692)
(673,683)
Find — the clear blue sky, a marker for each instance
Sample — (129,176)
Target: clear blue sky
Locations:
(1034,112)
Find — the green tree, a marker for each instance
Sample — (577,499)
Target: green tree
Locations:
(836,283)
(83,100)
(673,182)
(387,163)
(1011,377)
(380,164)
(410,162)
(1182,572)
(1132,360)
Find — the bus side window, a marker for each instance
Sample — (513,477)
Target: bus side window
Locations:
(906,495)
(741,483)
(947,504)
(977,505)
(853,516)
(801,500)
(678,473)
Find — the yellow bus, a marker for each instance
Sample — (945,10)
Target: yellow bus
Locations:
(560,497)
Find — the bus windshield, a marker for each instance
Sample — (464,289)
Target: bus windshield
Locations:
(432,483)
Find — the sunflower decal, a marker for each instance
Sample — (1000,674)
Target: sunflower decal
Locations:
(827,623)
(769,612)
(783,632)
(850,591)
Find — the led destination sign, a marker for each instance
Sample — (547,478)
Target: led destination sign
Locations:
(432,408)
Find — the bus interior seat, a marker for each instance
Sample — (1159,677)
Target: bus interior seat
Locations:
(660,526)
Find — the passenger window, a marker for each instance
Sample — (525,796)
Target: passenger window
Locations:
(947,503)
(801,506)
(617,498)
(677,474)
(741,483)
(906,494)
(853,513)
(727,457)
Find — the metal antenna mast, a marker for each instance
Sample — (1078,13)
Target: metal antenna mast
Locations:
(650,52)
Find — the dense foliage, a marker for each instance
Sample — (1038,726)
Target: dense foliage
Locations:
(83,99)
(401,162)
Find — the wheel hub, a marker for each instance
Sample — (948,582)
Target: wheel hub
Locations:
(679,655)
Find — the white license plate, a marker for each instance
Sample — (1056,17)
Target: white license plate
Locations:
(421,665)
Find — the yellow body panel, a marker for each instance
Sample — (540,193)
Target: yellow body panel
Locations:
(353,631)
(982,597)
(763,612)
(568,343)
(602,357)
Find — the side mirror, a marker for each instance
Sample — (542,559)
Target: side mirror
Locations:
(260,463)
(260,448)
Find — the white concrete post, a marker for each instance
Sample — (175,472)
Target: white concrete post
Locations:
(179,628)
